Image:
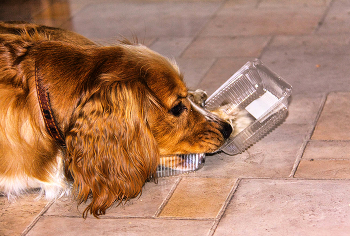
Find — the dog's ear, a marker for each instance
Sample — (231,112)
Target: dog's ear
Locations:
(111,152)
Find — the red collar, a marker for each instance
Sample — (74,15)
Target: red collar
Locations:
(46,111)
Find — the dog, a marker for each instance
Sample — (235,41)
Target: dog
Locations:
(91,120)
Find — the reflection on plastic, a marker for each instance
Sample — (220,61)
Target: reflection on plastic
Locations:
(184,163)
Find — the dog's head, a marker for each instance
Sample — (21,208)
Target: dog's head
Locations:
(177,125)
(121,108)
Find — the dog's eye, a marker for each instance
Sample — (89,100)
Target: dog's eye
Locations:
(178,109)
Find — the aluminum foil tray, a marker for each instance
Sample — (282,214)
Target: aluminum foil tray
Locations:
(170,165)
(260,92)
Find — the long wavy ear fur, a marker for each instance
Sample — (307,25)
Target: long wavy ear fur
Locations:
(111,152)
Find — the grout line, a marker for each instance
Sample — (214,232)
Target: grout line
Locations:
(323,18)
(298,157)
(267,45)
(223,208)
(70,18)
(307,138)
(209,19)
(258,3)
(327,159)
(106,217)
(182,218)
(207,72)
(43,211)
(166,200)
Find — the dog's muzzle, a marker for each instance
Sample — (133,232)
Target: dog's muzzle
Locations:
(226,129)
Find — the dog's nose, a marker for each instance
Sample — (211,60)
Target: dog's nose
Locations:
(226,130)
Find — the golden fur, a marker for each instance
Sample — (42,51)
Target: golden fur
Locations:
(120,109)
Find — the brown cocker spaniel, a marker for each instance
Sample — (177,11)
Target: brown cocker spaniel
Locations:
(93,119)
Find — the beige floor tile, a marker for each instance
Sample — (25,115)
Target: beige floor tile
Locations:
(303,109)
(333,123)
(263,21)
(315,45)
(171,47)
(294,3)
(221,71)
(327,150)
(240,4)
(337,19)
(198,198)
(311,68)
(16,216)
(58,226)
(277,3)
(211,47)
(146,205)
(323,169)
(143,19)
(194,70)
(288,207)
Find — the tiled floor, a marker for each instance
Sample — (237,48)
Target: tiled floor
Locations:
(295,181)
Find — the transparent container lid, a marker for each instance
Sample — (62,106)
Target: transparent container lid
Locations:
(261,93)
(178,164)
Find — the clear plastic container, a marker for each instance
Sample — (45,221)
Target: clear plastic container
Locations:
(189,163)
(260,92)
(254,89)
